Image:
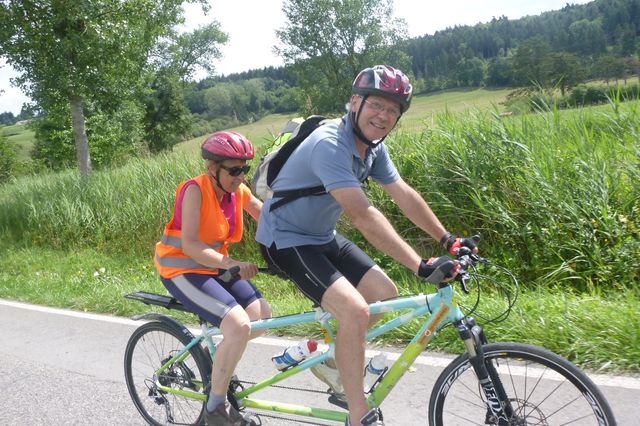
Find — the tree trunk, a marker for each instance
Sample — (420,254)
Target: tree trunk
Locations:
(80,135)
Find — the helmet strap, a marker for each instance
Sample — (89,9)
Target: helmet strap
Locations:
(216,178)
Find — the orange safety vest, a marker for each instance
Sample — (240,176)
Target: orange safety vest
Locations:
(169,258)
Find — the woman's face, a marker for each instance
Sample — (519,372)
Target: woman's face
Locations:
(232,173)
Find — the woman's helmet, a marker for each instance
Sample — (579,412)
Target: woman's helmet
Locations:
(227,145)
(385,81)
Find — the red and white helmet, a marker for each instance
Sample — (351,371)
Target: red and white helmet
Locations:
(227,145)
(385,81)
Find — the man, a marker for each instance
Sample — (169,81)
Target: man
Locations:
(300,239)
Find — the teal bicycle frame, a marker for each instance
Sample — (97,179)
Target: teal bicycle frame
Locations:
(440,308)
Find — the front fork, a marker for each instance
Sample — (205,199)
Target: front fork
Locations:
(499,409)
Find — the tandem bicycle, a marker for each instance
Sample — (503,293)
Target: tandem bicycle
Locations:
(168,368)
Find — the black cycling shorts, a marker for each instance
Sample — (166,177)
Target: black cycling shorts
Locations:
(313,268)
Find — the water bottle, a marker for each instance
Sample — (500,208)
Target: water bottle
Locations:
(374,369)
(294,354)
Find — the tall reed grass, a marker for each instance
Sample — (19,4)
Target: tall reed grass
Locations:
(120,210)
(555,195)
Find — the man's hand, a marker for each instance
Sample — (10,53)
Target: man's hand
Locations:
(438,269)
(453,243)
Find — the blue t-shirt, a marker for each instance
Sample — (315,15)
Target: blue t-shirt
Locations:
(327,157)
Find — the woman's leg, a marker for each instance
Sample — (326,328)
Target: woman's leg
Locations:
(258,309)
(235,332)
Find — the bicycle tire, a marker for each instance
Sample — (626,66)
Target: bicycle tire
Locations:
(543,388)
(149,347)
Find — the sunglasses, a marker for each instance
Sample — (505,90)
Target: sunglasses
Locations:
(236,170)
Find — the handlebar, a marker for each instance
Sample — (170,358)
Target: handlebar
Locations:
(466,259)
(234,273)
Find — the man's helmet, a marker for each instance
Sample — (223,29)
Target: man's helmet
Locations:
(385,81)
(227,145)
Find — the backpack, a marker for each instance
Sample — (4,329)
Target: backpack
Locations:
(293,134)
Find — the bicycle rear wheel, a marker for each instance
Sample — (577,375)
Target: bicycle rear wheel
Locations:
(151,346)
(543,389)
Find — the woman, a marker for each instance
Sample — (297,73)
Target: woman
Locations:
(193,251)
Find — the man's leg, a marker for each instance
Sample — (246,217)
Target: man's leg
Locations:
(350,309)
(374,286)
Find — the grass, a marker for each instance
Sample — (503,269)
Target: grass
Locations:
(555,195)
(22,137)
(567,323)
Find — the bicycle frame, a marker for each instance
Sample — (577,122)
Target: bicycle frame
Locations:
(439,308)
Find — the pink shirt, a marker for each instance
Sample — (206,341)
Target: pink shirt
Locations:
(228,205)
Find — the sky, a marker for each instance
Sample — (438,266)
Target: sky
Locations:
(251,26)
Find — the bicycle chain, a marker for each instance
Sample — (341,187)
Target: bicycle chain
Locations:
(288,387)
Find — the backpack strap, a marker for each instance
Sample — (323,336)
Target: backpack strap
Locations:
(293,194)
(305,129)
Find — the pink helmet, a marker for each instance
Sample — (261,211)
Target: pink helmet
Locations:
(227,145)
(386,81)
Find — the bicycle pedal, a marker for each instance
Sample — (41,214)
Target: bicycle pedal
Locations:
(338,402)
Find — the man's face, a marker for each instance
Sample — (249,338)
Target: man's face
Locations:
(377,117)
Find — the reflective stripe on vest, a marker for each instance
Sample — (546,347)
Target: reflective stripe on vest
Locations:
(180,262)
(177,242)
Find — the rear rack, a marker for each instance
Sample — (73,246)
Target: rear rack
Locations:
(165,301)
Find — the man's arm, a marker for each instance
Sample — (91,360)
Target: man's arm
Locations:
(375,227)
(415,208)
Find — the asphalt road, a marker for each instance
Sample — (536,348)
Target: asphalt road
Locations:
(61,367)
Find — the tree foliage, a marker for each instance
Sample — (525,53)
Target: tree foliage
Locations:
(329,41)
(76,53)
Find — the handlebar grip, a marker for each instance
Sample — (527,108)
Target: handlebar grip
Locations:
(229,274)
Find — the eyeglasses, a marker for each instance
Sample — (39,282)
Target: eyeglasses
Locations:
(236,170)
(379,107)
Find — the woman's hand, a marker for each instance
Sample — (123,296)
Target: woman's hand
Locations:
(247,269)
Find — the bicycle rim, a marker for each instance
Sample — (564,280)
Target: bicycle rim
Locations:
(542,387)
(149,347)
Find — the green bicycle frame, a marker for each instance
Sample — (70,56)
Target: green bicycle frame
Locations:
(439,308)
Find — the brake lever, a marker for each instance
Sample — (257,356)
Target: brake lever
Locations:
(464,277)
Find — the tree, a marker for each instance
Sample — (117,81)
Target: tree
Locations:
(611,67)
(586,37)
(500,72)
(167,119)
(73,52)
(471,72)
(330,41)
(528,61)
(563,70)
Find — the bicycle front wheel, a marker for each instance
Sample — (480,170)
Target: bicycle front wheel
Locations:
(150,347)
(542,388)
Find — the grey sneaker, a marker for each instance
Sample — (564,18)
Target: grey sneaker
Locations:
(373,417)
(225,415)
(331,377)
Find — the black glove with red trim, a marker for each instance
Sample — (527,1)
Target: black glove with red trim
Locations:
(453,243)
(438,269)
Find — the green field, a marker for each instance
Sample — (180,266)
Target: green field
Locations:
(21,137)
